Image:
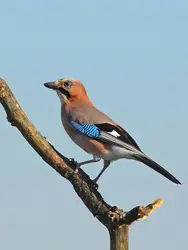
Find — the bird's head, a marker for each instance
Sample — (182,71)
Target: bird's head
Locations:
(68,89)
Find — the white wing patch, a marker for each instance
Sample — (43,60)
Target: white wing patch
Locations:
(114,133)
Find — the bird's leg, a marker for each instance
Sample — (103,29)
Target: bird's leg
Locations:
(106,164)
(95,159)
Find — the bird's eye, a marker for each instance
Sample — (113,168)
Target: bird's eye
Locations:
(67,84)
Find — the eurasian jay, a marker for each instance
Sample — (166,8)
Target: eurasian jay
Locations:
(94,131)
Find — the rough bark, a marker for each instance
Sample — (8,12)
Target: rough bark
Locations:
(117,221)
(119,237)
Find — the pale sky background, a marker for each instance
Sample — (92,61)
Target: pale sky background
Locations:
(132,57)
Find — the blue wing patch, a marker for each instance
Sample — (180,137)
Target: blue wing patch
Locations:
(87,129)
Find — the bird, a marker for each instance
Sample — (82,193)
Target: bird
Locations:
(95,132)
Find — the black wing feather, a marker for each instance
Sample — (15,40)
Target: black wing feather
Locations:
(124,136)
(155,166)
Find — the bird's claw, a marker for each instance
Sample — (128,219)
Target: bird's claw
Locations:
(94,184)
(76,164)
(73,160)
(77,167)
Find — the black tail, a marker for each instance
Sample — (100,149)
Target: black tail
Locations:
(152,164)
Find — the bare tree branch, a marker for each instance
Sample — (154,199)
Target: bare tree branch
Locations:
(111,217)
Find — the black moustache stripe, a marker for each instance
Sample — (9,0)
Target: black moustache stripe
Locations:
(65,92)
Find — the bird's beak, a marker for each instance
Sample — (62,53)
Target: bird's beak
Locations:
(51,85)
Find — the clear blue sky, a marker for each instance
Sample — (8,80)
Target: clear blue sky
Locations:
(132,57)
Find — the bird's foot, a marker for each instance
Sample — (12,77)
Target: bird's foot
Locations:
(94,184)
(76,164)
(73,160)
(77,167)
